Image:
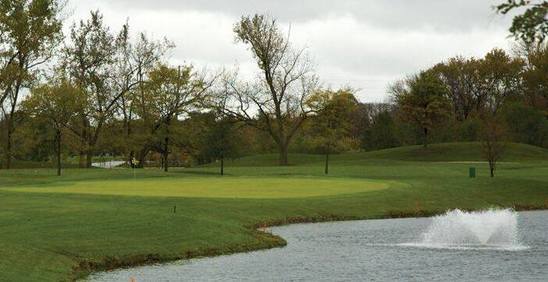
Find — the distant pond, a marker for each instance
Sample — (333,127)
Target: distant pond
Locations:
(489,246)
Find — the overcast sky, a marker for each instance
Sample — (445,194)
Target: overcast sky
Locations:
(363,44)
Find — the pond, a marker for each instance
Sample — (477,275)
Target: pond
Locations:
(497,245)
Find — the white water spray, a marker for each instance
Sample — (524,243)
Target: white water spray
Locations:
(456,229)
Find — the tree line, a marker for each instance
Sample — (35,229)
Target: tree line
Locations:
(98,92)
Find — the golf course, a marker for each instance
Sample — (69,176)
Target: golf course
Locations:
(63,228)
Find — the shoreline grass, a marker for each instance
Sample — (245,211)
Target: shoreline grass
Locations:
(268,240)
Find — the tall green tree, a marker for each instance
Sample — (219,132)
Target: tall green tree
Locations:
(525,124)
(476,84)
(286,81)
(30,31)
(501,78)
(221,141)
(58,104)
(333,118)
(463,82)
(88,59)
(170,93)
(106,66)
(133,62)
(382,132)
(423,101)
(535,78)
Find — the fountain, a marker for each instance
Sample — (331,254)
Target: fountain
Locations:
(489,229)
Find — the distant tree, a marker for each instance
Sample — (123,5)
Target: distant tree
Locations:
(423,101)
(133,62)
(369,117)
(535,78)
(382,132)
(468,130)
(221,141)
(169,93)
(532,25)
(30,31)
(333,118)
(33,140)
(525,124)
(475,85)
(88,59)
(58,104)
(107,67)
(212,137)
(463,82)
(501,79)
(280,95)
(492,141)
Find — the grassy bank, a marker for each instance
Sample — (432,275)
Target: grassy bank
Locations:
(55,229)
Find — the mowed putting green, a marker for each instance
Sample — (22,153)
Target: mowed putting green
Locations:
(227,187)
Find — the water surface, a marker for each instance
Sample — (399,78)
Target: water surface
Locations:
(377,250)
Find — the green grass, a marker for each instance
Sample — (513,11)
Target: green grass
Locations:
(58,228)
(200,187)
(445,152)
(38,165)
(470,151)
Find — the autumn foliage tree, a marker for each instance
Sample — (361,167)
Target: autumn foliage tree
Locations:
(422,100)
(501,78)
(58,104)
(333,118)
(30,31)
(462,79)
(169,93)
(87,60)
(135,59)
(107,67)
(535,78)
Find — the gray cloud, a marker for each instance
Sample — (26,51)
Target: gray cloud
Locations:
(364,44)
(394,14)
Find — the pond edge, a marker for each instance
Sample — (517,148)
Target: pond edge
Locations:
(265,240)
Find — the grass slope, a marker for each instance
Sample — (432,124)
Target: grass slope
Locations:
(448,152)
(54,229)
(459,152)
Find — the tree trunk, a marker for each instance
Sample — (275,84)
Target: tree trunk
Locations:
(89,157)
(8,144)
(327,160)
(425,141)
(492,168)
(141,157)
(10,122)
(83,145)
(82,159)
(131,155)
(166,153)
(58,150)
(130,159)
(327,163)
(283,155)
(222,165)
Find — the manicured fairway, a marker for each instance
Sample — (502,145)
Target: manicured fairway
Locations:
(240,187)
(60,228)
